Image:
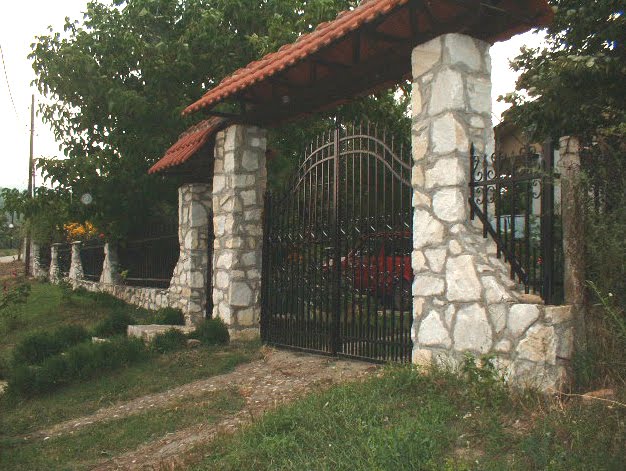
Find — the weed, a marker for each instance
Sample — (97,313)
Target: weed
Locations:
(38,346)
(211,332)
(169,341)
(169,316)
(115,324)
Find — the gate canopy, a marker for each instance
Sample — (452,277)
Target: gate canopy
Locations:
(361,51)
(189,144)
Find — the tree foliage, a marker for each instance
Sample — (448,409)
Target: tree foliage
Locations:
(575,84)
(117,80)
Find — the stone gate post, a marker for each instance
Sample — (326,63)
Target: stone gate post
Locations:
(110,267)
(188,288)
(238,193)
(55,271)
(76,265)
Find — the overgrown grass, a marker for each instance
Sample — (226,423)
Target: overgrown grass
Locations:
(50,307)
(161,373)
(98,442)
(406,420)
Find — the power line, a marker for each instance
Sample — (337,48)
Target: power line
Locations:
(6,76)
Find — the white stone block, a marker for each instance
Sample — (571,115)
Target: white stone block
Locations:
(539,345)
(521,316)
(462,50)
(426,229)
(449,315)
(425,56)
(445,172)
(426,285)
(420,200)
(494,291)
(498,316)
(447,92)
(461,279)
(450,205)
(479,91)
(448,135)
(472,330)
(240,294)
(250,160)
(436,259)
(432,332)
(419,143)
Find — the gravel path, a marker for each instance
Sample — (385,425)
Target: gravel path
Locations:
(279,377)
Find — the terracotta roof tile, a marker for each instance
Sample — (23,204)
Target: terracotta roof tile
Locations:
(345,23)
(189,143)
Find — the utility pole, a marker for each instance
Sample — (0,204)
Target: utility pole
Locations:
(31,178)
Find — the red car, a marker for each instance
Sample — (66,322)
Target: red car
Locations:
(381,264)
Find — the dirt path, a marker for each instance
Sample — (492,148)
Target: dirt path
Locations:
(279,377)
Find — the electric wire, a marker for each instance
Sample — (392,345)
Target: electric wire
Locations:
(6,77)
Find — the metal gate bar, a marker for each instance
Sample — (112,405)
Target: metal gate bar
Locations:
(337,246)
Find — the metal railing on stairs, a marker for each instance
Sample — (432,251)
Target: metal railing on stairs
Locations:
(513,197)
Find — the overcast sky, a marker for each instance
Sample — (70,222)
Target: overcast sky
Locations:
(22,20)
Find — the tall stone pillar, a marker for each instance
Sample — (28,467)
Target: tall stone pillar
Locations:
(110,267)
(55,271)
(572,219)
(36,270)
(464,300)
(76,265)
(188,287)
(238,193)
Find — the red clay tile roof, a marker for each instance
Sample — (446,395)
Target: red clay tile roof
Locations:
(525,14)
(189,143)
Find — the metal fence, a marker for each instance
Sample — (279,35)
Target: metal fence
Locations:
(44,257)
(92,259)
(149,260)
(513,196)
(64,259)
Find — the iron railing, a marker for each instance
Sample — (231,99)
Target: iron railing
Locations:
(337,250)
(64,260)
(513,197)
(149,260)
(92,259)
(44,257)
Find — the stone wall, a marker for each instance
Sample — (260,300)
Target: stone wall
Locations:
(54,274)
(147,298)
(238,193)
(188,288)
(464,300)
(76,264)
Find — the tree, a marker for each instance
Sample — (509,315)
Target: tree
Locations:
(117,81)
(575,84)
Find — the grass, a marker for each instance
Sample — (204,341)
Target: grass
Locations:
(49,307)
(407,420)
(6,252)
(93,444)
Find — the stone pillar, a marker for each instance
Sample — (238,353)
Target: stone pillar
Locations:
(190,280)
(464,301)
(238,193)
(572,218)
(36,270)
(76,265)
(55,272)
(110,267)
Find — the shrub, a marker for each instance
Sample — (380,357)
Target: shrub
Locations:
(36,347)
(211,332)
(115,324)
(80,362)
(169,341)
(170,316)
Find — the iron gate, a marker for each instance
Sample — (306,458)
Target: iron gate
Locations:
(337,256)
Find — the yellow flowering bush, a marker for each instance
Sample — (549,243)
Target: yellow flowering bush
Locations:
(77,231)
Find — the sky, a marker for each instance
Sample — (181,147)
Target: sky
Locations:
(22,21)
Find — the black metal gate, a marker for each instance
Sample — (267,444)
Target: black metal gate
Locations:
(337,256)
